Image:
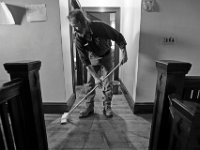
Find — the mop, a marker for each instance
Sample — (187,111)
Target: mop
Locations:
(66,116)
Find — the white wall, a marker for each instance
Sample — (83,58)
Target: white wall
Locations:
(176,18)
(130,28)
(131,16)
(37,41)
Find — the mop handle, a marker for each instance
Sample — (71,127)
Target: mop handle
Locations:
(94,88)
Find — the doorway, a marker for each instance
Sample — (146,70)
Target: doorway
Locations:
(111,16)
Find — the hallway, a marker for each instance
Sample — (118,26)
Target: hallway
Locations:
(125,131)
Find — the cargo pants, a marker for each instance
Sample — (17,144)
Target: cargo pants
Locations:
(102,66)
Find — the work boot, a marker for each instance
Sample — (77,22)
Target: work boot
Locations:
(107,111)
(88,111)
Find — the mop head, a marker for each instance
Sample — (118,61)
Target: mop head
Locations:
(65,118)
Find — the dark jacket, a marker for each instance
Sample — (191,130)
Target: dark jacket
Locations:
(100,44)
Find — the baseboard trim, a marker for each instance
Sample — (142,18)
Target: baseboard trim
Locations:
(58,108)
(137,108)
(143,108)
(127,95)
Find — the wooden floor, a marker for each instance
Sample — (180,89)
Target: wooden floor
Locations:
(125,131)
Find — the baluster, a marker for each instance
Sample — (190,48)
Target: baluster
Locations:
(2,142)
(17,119)
(7,127)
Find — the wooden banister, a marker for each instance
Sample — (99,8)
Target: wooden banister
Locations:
(175,123)
(21,108)
(170,79)
(9,113)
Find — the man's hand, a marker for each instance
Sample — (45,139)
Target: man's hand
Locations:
(97,78)
(124,56)
(99,82)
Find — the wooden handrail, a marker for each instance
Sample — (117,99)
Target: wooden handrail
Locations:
(192,81)
(10,90)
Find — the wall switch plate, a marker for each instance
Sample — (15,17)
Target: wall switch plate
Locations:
(168,40)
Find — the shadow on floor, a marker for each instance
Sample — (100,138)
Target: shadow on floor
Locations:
(95,132)
(147,117)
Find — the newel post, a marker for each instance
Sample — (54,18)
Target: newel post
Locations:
(35,131)
(170,79)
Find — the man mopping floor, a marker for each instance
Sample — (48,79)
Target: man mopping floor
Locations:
(93,44)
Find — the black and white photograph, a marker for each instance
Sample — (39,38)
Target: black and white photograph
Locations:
(99,75)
